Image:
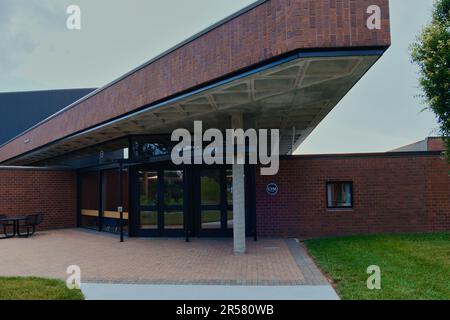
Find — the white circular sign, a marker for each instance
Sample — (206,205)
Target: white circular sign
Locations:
(272,189)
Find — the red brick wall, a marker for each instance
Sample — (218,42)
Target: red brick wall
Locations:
(391,194)
(438,194)
(26,191)
(435,144)
(275,27)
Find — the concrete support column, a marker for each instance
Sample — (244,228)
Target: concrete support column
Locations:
(238,196)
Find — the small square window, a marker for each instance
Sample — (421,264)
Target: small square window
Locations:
(339,195)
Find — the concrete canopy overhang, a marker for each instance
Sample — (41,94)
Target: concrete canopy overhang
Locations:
(293,94)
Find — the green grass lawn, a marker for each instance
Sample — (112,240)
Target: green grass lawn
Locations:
(412,266)
(36,289)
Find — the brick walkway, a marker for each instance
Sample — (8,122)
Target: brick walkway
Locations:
(165,261)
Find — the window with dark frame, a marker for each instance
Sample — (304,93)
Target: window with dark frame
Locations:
(339,195)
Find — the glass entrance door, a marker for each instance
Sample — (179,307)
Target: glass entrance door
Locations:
(161,202)
(172,200)
(148,202)
(215,212)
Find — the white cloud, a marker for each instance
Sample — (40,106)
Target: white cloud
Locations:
(21,23)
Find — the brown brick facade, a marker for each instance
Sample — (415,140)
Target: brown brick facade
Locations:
(408,193)
(27,191)
(391,193)
(271,29)
(435,144)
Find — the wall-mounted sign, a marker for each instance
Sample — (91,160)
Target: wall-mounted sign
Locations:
(272,189)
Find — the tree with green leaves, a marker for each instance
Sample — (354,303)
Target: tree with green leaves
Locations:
(431,52)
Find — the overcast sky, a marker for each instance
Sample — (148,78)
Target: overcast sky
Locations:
(37,52)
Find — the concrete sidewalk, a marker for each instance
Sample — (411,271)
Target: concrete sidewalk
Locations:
(109,291)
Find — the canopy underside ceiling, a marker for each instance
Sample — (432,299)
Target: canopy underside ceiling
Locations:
(293,97)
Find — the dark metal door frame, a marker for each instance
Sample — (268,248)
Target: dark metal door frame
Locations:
(192,204)
(223,206)
(160,207)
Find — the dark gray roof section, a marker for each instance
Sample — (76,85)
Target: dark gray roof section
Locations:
(22,110)
(413,147)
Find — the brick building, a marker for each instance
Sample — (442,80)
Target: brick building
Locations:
(391,192)
(103,162)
